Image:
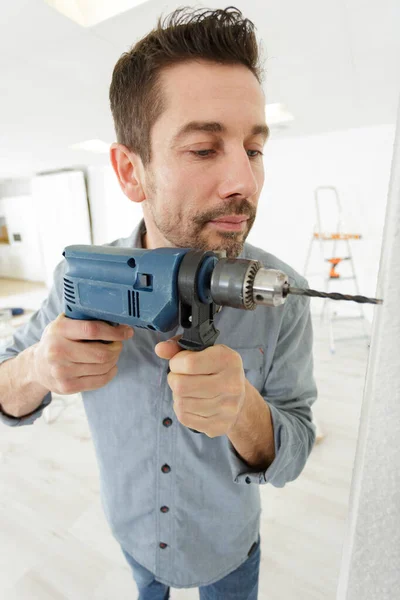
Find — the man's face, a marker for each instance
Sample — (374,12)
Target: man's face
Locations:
(206,157)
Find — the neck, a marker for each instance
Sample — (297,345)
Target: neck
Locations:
(151,237)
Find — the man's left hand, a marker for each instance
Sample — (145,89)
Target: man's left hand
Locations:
(208,387)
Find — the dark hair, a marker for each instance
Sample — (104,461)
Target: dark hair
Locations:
(136,98)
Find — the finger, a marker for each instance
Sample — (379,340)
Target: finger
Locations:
(77,329)
(74,371)
(203,362)
(169,348)
(92,382)
(195,386)
(199,409)
(96,352)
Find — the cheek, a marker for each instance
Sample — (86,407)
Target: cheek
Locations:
(164,177)
(176,181)
(185,190)
(260,175)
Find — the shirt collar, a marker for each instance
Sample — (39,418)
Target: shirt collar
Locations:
(137,233)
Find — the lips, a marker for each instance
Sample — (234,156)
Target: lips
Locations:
(230,220)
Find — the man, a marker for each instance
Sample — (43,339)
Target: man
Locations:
(189,114)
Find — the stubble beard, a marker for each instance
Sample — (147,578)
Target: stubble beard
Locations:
(231,242)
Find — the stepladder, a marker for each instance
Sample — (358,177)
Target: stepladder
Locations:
(333,240)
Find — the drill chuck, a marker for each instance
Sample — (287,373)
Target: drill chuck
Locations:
(243,283)
(270,287)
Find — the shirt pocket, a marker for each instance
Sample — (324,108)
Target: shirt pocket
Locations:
(253,364)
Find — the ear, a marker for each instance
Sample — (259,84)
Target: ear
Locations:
(129,170)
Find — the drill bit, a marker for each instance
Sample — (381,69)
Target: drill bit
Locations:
(333,295)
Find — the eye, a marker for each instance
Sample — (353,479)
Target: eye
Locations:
(202,153)
(257,153)
(210,152)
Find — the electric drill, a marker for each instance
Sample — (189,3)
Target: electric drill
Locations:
(166,287)
(162,288)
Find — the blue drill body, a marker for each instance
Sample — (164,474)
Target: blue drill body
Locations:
(133,286)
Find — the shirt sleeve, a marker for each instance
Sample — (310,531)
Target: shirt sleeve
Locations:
(290,392)
(30,333)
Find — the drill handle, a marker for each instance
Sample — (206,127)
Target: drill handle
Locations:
(195,316)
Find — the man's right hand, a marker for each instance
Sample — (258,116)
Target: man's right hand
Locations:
(65,364)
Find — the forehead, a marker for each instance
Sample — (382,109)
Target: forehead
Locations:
(200,90)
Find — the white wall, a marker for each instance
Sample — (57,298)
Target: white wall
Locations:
(17,207)
(113,214)
(62,212)
(15,187)
(53,214)
(21,259)
(371,549)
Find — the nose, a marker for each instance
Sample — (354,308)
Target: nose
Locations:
(238,176)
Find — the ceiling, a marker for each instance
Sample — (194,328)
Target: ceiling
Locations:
(334,65)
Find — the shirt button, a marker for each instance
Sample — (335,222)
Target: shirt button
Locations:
(167,422)
(164,509)
(162,545)
(165,468)
(248,480)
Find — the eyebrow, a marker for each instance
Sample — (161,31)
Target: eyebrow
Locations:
(215,127)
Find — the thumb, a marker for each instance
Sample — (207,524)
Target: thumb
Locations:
(169,348)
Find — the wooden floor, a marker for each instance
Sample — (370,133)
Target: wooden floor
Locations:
(54,540)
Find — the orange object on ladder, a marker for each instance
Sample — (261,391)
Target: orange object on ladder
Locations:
(337,236)
(333,274)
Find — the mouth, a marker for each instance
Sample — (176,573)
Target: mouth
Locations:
(231,219)
(230,223)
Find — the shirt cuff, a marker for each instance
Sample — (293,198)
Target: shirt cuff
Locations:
(26,419)
(288,446)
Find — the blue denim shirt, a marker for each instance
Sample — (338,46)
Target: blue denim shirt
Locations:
(184,505)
